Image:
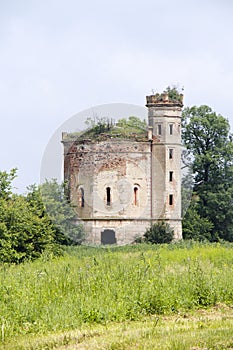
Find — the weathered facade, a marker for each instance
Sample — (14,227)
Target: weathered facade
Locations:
(120,186)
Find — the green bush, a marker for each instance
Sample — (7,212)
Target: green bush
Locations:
(24,233)
(159,232)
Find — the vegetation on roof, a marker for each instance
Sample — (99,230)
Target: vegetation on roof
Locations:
(105,128)
(173,93)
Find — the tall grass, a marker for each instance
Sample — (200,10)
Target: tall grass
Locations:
(89,285)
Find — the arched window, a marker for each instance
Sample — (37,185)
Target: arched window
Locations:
(108,194)
(135,196)
(81,200)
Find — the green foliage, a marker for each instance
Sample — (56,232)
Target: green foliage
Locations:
(6,183)
(173,93)
(35,222)
(61,212)
(207,138)
(132,122)
(23,233)
(194,226)
(100,128)
(99,125)
(159,232)
(94,285)
(186,191)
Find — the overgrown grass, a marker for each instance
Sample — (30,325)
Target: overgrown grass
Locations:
(98,285)
(118,132)
(202,329)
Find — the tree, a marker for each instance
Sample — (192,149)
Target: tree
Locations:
(61,213)
(35,222)
(207,138)
(6,183)
(194,226)
(23,233)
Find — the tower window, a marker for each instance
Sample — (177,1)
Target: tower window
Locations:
(159,129)
(170,199)
(81,197)
(170,129)
(135,192)
(171,153)
(170,176)
(108,193)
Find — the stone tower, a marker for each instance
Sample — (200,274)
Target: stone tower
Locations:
(122,181)
(164,119)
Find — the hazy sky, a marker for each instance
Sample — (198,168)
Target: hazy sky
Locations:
(60,57)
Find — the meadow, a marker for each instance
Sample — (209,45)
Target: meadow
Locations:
(91,289)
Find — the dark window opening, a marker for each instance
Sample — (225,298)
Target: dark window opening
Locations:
(170,153)
(170,199)
(81,198)
(108,192)
(171,129)
(170,176)
(135,190)
(159,129)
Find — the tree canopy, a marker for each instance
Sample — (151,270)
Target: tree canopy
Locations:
(209,146)
(61,213)
(35,222)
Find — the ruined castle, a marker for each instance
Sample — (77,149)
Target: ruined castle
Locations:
(122,183)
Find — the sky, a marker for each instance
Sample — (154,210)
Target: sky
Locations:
(59,59)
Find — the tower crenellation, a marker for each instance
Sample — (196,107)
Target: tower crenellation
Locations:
(165,98)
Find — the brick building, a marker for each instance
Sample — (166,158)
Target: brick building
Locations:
(121,182)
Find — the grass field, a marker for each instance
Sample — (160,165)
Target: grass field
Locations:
(202,329)
(178,296)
